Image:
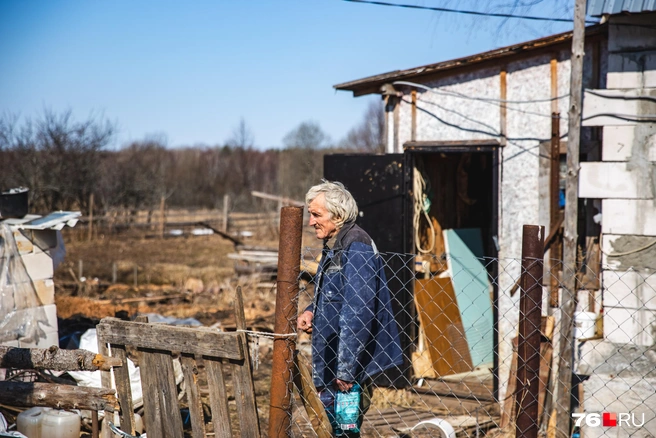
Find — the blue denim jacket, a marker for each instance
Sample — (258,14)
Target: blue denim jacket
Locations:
(354,333)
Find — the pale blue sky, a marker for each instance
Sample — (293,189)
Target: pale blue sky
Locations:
(189,71)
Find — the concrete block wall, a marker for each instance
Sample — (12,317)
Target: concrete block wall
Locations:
(625,181)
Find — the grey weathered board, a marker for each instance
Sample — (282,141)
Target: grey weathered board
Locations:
(198,349)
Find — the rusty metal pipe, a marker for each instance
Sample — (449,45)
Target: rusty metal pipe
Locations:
(530,317)
(289,269)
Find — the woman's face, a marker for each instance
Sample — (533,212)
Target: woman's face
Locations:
(321,219)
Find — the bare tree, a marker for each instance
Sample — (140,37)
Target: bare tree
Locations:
(369,135)
(507,27)
(55,156)
(301,163)
(242,136)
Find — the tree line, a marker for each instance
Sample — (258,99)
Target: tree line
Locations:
(63,162)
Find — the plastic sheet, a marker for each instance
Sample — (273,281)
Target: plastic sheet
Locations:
(21,314)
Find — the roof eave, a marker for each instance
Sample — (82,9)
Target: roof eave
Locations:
(372,84)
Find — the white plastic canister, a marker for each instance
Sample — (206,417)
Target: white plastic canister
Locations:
(60,424)
(29,422)
(584,325)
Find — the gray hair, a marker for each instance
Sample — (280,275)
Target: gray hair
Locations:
(339,201)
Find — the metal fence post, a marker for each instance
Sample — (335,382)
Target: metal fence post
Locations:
(530,317)
(289,259)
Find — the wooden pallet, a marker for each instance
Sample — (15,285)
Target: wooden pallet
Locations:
(217,353)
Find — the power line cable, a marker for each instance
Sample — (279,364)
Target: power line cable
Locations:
(465,12)
(485,99)
(620,96)
(637,118)
(510,140)
(490,101)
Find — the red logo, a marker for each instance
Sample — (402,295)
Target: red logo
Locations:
(608,419)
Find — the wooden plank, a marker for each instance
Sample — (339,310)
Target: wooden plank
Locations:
(546,354)
(554,82)
(612,180)
(55,395)
(54,358)
(503,86)
(105,382)
(310,398)
(201,341)
(168,393)
(629,216)
(413,123)
(123,389)
(468,390)
(194,402)
(509,402)
(438,311)
(218,398)
(242,378)
(149,385)
(598,105)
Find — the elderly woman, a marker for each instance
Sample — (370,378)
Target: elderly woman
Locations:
(354,335)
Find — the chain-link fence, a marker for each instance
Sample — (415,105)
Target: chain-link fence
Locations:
(472,351)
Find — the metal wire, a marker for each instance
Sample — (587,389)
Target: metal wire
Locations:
(457,374)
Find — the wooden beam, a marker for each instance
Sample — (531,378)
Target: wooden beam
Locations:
(554,82)
(286,201)
(207,342)
(55,359)
(413,130)
(90,217)
(555,216)
(568,305)
(57,396)
(502,106)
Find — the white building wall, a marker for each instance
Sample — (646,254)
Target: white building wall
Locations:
(456,112)
(451,114)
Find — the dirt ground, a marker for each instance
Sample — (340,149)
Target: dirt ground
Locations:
(182,277)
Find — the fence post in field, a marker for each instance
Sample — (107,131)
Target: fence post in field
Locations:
(289,259)
(530,316)
(90,217)
(226,202)
(162,218)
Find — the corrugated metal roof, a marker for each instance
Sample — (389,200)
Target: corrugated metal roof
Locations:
(600,7)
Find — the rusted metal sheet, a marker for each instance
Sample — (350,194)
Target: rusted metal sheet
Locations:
(530,320)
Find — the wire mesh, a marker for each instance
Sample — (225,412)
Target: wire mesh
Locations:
(457,320)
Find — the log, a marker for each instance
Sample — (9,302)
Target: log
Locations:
(57,396)
(54,358)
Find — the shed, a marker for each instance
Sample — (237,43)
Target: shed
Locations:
(483,138)
(492,128)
